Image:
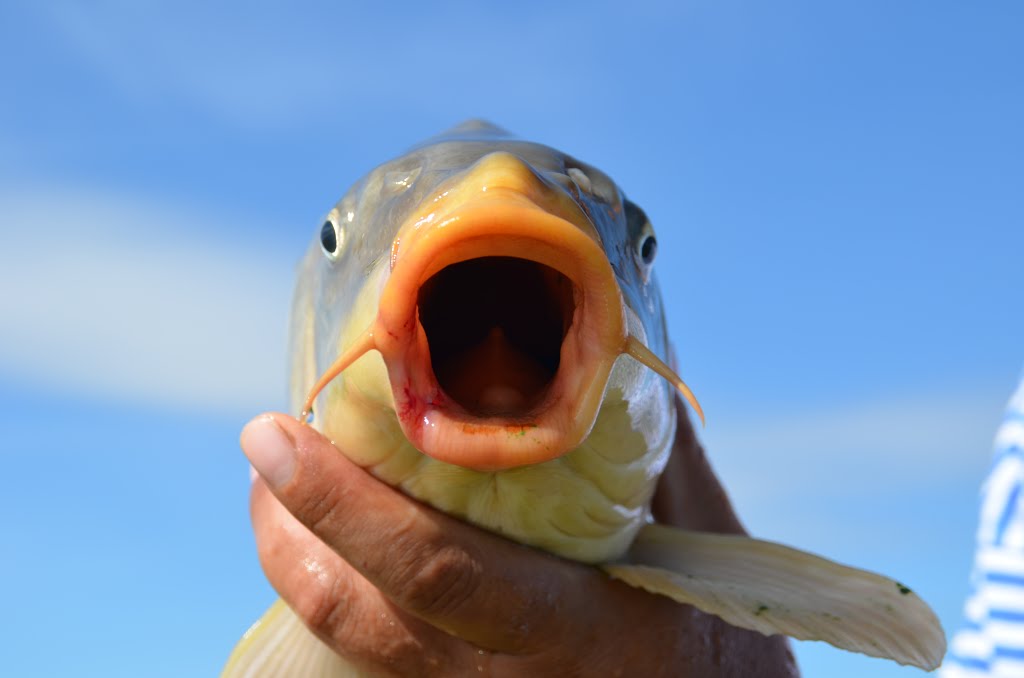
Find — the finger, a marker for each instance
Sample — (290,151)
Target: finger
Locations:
(487,590)
(360,623)
(340,606)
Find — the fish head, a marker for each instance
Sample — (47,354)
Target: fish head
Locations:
(500,281)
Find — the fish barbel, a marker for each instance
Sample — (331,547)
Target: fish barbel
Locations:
(478,323)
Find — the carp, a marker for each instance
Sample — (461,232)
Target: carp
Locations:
(478,323)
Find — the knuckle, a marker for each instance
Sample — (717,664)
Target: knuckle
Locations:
(315,609)
(372,638)
(323,607)
(321,512)
(403,655)
(440,582)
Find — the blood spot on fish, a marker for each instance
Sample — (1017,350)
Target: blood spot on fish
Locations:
(407,408)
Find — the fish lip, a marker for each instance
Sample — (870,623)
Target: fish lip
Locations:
(500,225)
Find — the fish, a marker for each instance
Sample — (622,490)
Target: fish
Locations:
(478,323)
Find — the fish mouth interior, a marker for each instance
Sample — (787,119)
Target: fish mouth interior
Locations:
(495,327)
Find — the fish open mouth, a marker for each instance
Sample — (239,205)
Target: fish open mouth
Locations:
(495,327)
(499,326)
(499,323)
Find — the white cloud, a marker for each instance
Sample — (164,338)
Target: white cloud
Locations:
(132,299)
(930,434)
(799,475)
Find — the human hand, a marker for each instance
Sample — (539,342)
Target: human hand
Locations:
(401,589)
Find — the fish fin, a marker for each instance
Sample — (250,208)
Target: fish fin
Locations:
(772,588)
(279,644)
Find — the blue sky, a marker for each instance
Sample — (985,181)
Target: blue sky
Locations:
(836,189)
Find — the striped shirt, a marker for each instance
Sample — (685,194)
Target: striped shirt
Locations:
(991,642)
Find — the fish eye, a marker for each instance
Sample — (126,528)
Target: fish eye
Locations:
(330,239)
(646,244)
(648,249)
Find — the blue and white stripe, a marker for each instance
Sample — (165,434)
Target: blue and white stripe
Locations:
(991,642)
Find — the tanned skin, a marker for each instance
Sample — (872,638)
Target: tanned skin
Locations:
(400,589)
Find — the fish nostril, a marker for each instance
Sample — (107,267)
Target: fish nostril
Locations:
(581,179)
